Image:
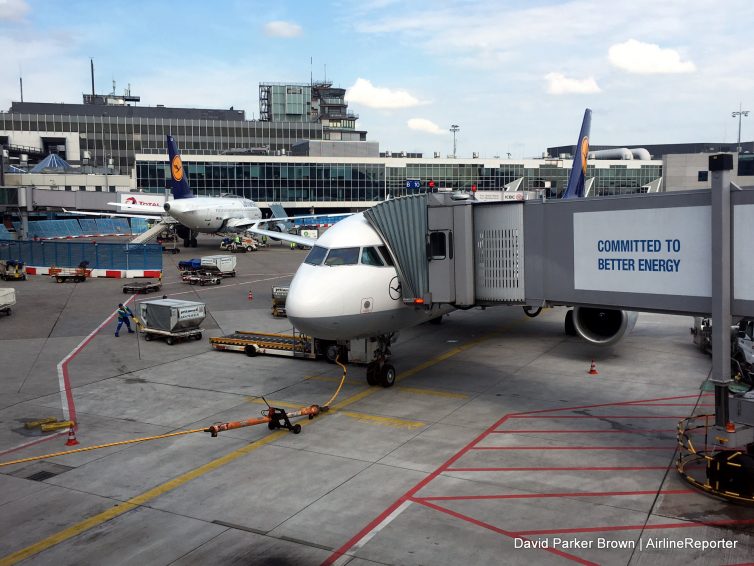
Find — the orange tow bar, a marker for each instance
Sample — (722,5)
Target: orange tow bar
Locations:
(274,417)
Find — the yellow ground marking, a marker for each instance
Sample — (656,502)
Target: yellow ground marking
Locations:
(384,421)
(134,502)
(184,478)
(276,404)
(435,392)
(328,379)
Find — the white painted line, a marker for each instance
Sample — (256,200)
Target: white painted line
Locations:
(344,558)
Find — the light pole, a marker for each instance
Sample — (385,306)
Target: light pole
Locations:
(739,113)
(454,128)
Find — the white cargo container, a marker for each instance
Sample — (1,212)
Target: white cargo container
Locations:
(225,264)
(7,300)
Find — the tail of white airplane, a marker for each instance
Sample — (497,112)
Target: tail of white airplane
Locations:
(575,188)
(178,182)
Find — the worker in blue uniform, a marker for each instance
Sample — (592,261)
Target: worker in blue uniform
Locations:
(124,316)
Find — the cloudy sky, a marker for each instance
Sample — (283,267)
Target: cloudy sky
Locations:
(514,76)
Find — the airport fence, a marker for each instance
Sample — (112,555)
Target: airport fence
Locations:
(5,234)
(70,254)
(79,228)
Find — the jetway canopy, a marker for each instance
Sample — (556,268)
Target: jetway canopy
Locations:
(648,252)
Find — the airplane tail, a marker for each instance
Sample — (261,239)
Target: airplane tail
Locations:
(575,188)
(178,182)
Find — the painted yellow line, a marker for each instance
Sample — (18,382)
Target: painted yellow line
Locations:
(276,404)
(122,508)
(113,512)
(385,421)
(328,379)
(434,392)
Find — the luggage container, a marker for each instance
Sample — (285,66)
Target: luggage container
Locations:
(172,319)
(7,300)
(224,264)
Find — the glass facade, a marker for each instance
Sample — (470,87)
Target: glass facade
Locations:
(120,138)
(305,180)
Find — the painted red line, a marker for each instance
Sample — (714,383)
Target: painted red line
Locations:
(621,403)
(498,530)
(671,405)
(555,495)
(586,431)
(408,495)
(32,443)
(681,525)
(75,352)
(673,447)
(600,417)
(575,468)
(741,564)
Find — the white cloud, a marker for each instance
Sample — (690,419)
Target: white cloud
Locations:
(364,92)
(647,58)
(279,28)
(558,83)
(424,125)
(13,9)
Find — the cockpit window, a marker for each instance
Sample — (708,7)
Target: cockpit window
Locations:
(386,256)
(342,256)
(369,256)
(316,256)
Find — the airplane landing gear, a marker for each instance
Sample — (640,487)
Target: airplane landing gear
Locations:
(379,372)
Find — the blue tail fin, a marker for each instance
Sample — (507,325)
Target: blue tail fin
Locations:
(575,188)
(178,182)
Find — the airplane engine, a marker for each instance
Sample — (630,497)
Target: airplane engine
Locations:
(603,327)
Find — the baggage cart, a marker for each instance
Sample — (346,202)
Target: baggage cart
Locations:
(137,287)
(7,300)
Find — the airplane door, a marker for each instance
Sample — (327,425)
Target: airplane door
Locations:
(440,252)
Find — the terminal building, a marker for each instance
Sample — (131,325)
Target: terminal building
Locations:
(304,150)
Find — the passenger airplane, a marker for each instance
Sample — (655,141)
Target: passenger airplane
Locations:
(209,215)
(348,288)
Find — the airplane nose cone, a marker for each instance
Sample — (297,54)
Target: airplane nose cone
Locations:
(312,305)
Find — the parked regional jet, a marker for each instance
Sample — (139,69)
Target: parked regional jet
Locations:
(209,215)
(348,288)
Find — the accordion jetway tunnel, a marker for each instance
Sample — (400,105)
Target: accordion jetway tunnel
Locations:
(608,258)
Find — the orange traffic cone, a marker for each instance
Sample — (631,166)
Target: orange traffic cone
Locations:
(71,437)
(593,369)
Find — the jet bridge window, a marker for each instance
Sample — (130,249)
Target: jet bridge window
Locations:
(369,256)
(343,256)
(316,256)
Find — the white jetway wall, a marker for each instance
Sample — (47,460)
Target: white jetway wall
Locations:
(499,253)
(648,252)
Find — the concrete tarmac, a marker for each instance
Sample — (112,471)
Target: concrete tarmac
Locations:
(495,446)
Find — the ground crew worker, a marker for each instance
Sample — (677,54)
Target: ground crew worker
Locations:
(293,246)
(124,314)
(237,240)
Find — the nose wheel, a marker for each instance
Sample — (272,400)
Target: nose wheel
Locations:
(379,372)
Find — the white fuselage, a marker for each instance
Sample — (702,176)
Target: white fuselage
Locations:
(211,214)
(347,287)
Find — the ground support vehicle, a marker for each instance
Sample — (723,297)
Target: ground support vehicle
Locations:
(279,295)
(741,345)
(144,287)
(75,274)
(7,300)
(252,343)
(12,270)
(201,278)
(170,337)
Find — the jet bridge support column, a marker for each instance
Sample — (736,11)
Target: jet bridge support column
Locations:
(720,166)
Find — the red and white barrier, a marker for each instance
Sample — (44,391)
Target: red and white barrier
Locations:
(109,273)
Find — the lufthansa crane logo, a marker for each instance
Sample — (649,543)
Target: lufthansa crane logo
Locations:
(176,167)
(584,152)
(394,288)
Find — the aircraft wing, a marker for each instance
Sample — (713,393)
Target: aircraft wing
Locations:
(118,214)
(135,207)
(285,236)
